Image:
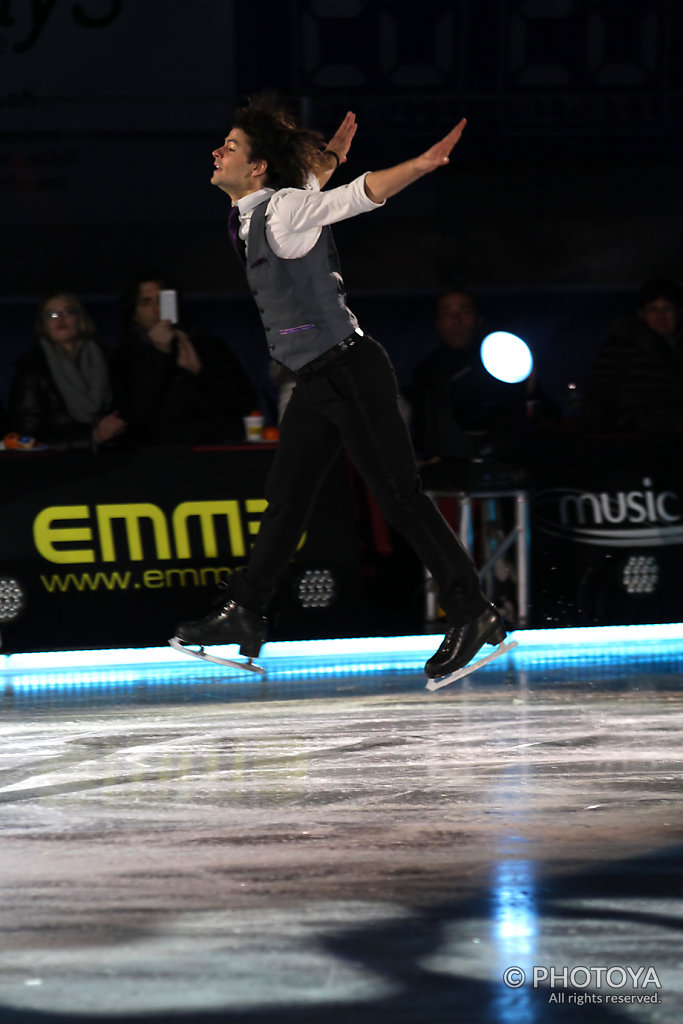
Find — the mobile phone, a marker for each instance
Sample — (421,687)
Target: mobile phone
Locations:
(168,305)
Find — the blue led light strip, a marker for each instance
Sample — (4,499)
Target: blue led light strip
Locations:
(361,653)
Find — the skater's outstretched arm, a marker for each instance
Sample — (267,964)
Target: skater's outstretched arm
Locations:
(381,185)
(337,149)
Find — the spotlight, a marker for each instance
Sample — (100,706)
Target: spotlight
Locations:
(12,599)
(506,357)
(640,575)
(316,588)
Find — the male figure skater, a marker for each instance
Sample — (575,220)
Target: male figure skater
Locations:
(346,392)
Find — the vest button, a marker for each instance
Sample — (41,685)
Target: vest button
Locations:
(272,348)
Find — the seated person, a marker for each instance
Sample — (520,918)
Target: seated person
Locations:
(636,382)
(460,411)
(175,386)
(60,392)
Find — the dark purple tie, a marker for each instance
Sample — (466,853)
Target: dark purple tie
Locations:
(234,232)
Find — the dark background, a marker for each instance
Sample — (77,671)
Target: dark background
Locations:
(563,196)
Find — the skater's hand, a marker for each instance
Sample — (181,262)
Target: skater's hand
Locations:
(188,357)
(382,185)
(339,144)
(161,336)
(437,156)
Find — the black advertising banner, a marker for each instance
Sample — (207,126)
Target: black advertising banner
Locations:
(607,534)
(112,550)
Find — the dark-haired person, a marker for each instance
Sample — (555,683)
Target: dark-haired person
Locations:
(346,392)
(458,407)
(60,392)
(460,411)
(173,385)
(636,382)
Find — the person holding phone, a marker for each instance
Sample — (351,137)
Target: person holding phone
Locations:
(175,385)
(346,393)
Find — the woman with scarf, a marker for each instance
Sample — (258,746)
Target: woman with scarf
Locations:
(61,392)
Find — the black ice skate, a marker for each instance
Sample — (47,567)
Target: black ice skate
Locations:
(460,644)
(228,623)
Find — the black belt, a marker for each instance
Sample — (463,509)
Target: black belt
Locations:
(330,355)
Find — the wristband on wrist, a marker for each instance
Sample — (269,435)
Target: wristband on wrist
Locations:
(331,152)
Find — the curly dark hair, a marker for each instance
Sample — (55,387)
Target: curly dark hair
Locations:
(290,151)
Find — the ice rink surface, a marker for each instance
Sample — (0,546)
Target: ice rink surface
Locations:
(332,845)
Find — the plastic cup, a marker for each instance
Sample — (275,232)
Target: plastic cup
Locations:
(253,428)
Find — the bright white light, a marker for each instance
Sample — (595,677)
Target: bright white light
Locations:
(506,357)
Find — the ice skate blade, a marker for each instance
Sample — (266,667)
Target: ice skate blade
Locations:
(436,684)
(243,666)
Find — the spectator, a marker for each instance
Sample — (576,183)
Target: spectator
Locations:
(459,410)
(175,385)
(636,382)
(61,392)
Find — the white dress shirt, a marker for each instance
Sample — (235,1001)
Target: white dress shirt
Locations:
(296,216)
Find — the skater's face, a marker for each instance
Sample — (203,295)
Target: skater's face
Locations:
(147,306)
(234,170)
(660,316)
(457,319)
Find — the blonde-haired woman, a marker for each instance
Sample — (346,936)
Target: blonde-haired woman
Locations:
(61,391)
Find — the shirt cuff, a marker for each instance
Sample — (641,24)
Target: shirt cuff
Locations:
(370,204)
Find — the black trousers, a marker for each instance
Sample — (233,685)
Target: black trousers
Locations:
(353,403)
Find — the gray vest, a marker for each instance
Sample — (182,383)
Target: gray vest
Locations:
(302,301)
